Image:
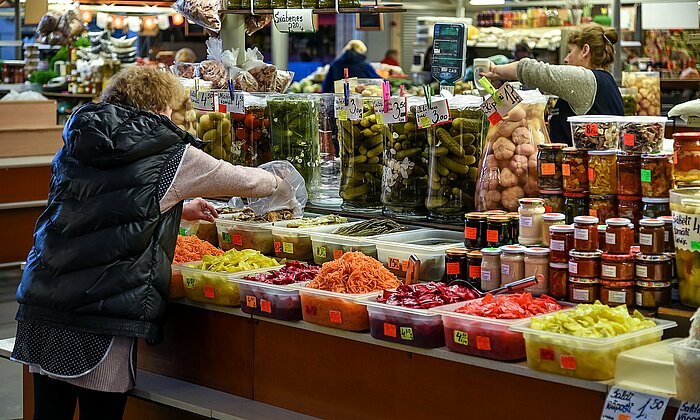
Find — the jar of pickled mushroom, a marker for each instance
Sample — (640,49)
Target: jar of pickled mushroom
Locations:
(657,175)
(553,200)
(549,162)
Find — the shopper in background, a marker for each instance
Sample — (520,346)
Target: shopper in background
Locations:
(584,86)
(185,55)
(391,58)
(522,50)
(354,59)
(97,277)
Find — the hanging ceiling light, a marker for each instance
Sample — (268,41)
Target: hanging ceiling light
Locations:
(178,19)
(117,22)
(149,23)
(86,15)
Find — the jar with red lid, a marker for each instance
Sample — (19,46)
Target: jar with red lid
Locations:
(617,267)
(619,236)
(628,179)
(653,294)
(586,233)
(651,236)
(630,207)
(657,175)
(686,157)
(558,280)
(584,264)
(574,170)
(616,293)
(603,207)
(669,245)
(561,241)
(653,268)
(584,289)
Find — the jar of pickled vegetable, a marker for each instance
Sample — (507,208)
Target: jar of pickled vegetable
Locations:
(618,267)
(512,263)
(686,157)
(261,4)
(651,236)
(669,245)
(475,226)
(530,221)
(550,219)
(549,161)
(686,215)
(251,133)
(585,233)
(498,232)
(574,170)
(602,206)
(294,4)
(490,269)
(628,169)
(653,294)
(309,4)
(474,260)
(619,236)
(584,264)
(630,207)
(215,128)
(514,227)
(561,241)
(537,264)
(629,100)
(653,267)
(616,293)
(657,175)
(455,264)
(278,4)
(583,289)
(655,207)
(575,204)
(553,200)
(602,172)
(558,280)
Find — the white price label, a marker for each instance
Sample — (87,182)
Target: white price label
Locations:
(437,114)
(609,271)
(509,98)
(686,231)
(626,404)
(557,245)
(581,234)
(202,101)
(525,221)
(610,238)
(617,297)
(638,298)
(396,110)
(688,411)
(350,112)
(573,267)
(505,269)
(486,276)
(235,103)
(645,239)
(642,271)
(581,295)
(294,20)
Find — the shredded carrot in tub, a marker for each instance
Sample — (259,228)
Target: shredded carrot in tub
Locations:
(191,248)
(355,273)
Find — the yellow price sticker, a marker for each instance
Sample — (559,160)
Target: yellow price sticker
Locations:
(287,247)
(343,115)
(190,282)
(321,251)
(461,337)
(425,122)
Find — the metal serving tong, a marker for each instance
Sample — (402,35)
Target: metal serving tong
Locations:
(412,270)
(510,287)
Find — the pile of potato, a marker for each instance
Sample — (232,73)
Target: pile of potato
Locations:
(648,86)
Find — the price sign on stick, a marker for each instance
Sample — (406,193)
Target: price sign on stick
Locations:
(396,110)
(623,404)
(499,104)
(352,111)
(436,114)
(203,101)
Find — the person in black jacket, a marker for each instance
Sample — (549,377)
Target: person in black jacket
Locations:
(98,274)
(353,59)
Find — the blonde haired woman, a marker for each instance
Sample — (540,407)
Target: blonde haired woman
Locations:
(98,275)
(353,59)
(585,86)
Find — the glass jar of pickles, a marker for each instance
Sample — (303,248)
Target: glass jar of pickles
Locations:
(616,293)
(656,175)
(549,162)
(602,172)
(558,280)
(575,204)
(475,230)
(686,157)
(550,219)
(530,221)
(553,200)
(574,170)
(602,206)
(655,207)
(498,232)
(628,169)
(619,236)
(583,289)
(630,207)
(561,242)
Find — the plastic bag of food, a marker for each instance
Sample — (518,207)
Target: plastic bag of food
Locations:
(508,167)
(283,79)
(204,13)
(56,38)
(287,197)
(48,23)
(263,73)
(71,24)
(212,69)
(254,23)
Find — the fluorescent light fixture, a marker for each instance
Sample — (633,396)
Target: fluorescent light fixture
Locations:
(486,2)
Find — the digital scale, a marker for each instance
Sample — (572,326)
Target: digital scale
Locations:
(449,54)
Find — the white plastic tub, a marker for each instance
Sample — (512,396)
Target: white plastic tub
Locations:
(295,243)
(245,235)
(595,132)
(642,134)
(687,362)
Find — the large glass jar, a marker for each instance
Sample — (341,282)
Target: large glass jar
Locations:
(651,236)
(602,172)
(686,157)
(215,129)
(558,280)
(583,289)
(490,269)
(657,175)
(454,160)
(405,179)
(251,133)
(530,227)
(575,204)
(586,233)
(628,170)
(561,242)
(653,208)
(648,86)
(361,154)
(685,204)
(603,207)
(475,226)
(512,263)
(575,170)
(619,236)
(294,131)
(548,220)
(328,194)
(498,232)
(549,161)
(537,264)
(553,200)
(629,100)
(630,207)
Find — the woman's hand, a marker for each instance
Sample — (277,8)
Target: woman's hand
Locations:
(502,72)
(199,209)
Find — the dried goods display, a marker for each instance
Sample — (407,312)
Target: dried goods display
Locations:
(642,134)
(248,215)
(508,167)
(657,175)
(354,273)
(251,144)
(453,161)
(595,132)
(361,153)
(215,129)
(648,86)
(426,295)
(370,228)
(686,157)
(202,12)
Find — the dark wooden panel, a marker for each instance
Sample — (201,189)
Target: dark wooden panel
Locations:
(24,184)
(18,226)
(204,347)
(137,409)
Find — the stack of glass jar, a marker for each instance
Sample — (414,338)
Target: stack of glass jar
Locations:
(584,261)
(653,266)
(550,177)
(617,268)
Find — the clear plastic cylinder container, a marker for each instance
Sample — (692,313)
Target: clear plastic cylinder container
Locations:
(251,145)
(328,193)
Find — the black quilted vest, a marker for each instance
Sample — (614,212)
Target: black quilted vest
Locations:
(102,249)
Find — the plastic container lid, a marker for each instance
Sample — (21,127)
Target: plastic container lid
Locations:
(586,220)
(513,249)
(615,283)
(655,200)
(576,194)
(561,228)
(687,136)
(491,251)
(583,254)
(561,266)
(551,192)
(652,222)
(618,221)
(584,280)
(667,219)
(602,152)
(553,217)
(653,258)
(537,251)
(531,201)
(653,284)
(476,216)
(592,119)
(657,156)
(617,257)
(642,119)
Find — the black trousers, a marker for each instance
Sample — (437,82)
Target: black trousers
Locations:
(56,400)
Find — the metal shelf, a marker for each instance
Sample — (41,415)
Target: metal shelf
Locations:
(362,10)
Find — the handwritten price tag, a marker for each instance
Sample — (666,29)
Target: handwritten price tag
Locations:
(235,103)
(508,98)
(688,411)
(202,101)
(397,111)
(294,20)
(352,111)
(626,404)
(437,114)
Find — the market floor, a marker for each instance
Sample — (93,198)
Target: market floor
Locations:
(11,373)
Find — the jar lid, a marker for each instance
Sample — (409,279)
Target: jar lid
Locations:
(602,152)
(586,220)
(617,257)
(628,156)
(618,221)
(561,228)
(573,150)
(585,254)
(603,197)
(575,194)
(651,222)
(513,249)
(584,280)
(552,146)
(687,136)
(537,251)
(670,254)
(655,200)
(553,217)
(629,197)
(491,251)
(456,252)
(494,212)
(551,192)
(635,249)
(498,218)
(475,215)
(560,266)
(667,219)
(657,156)
(613,283)
(531,201)
(653,258)
(653,284)
(474,254)
(602,228)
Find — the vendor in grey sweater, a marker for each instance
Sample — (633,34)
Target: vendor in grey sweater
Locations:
(584,86)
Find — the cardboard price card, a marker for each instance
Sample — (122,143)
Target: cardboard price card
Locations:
(396,110)
(350,112)
(233,103)
(202,101)
(437,114)
(623,404)
(499,104)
